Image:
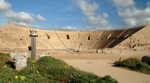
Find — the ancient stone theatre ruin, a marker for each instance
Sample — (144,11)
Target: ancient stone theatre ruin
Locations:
(15,38)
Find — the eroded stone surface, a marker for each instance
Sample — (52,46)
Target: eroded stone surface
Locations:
(20,60)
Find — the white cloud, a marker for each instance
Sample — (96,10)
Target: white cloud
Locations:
(123,3)
(134,12)
(65,28)
(129,22)
(69,28)
(105,15)
(87,8)
(40,18)
(21,23)
(100,28)
(98,20)
(20,17)
(4,6)
(132,16)
(93,20)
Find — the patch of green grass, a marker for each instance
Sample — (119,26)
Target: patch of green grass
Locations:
(49,70)
(2,63)
(4,54)
(134,64)
(7,75)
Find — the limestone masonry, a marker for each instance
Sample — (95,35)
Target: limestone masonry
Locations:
(15,38)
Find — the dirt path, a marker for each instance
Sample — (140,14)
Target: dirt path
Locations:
(103,65)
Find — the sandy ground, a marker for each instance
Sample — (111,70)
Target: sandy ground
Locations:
(102,65)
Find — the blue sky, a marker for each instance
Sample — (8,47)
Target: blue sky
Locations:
(87,15)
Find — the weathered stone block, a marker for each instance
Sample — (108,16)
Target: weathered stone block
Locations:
(108,51)
(20,60)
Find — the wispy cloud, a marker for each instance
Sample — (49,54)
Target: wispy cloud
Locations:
(64,28)
(93,20)
(4,6)
(40,18)
(21,23)
(21,18)
(87,8)
(69,28)
(123,3)
(132,16)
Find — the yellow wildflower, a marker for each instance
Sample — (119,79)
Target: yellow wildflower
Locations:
(34,60)
(22,77)
(16,77)
(66,65)
(37,71)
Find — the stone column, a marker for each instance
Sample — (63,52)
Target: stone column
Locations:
(33,35)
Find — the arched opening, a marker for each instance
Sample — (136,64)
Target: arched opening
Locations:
(89,38)
(29,48)
(48,37)
(68,37)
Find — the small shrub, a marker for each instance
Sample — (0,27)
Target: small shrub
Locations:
(142,66)
(50,61)
(130,62)
(108,79)
(134,64)
(118,63)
